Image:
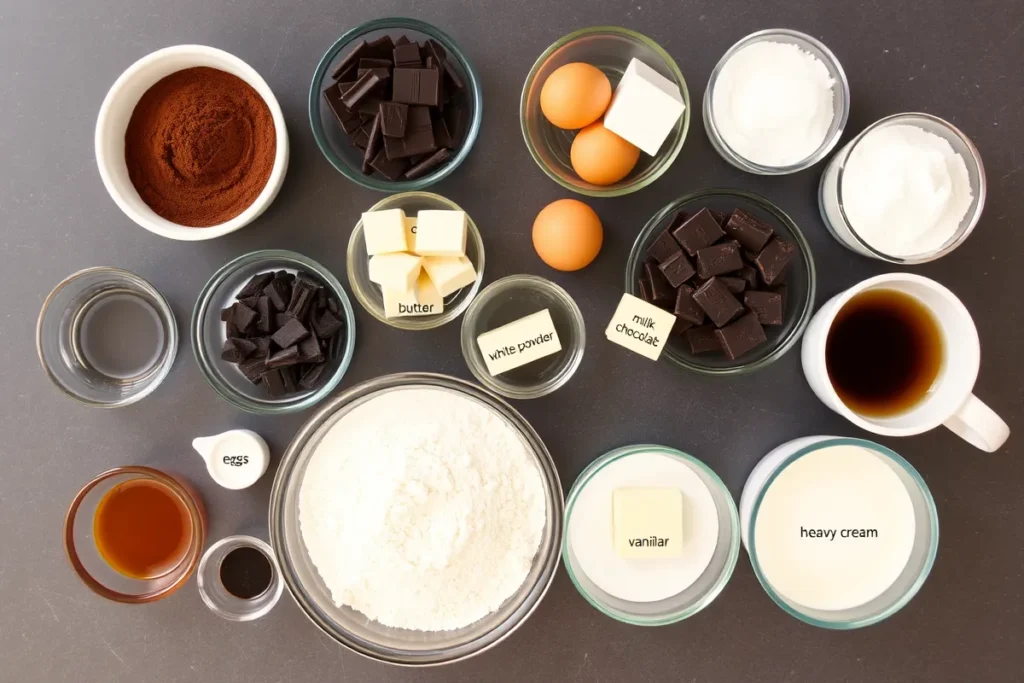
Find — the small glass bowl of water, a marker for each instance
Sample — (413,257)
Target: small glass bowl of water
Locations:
(106,337)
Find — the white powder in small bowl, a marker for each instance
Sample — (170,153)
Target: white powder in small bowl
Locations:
(423,509)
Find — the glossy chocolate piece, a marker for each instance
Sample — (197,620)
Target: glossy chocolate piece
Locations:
(664,247)
(703,339)
(350,61)
(373,144)
(244,318)
(741,336)
(718,259)
(699,231)
(347,119)
(407,56)
(686,308)
(752,233)
(428,164)
(773,259)
(394,117)
(419,136)
(364,86)
(678,269)
(416,86)
(662,291)
(717,301)
(766,305)
(736,285)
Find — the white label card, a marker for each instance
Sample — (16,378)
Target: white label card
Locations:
(519,342)
(639,326)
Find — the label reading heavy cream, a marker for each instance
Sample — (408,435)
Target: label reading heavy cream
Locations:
(519,342)
(647,522)
(640,327)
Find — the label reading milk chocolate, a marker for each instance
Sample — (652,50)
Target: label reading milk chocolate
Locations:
(519,342)
(640,327)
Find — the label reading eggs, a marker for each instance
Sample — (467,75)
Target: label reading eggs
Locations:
(519,342)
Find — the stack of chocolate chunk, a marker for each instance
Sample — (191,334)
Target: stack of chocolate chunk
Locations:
(721,274)
(280,332)
(402,103)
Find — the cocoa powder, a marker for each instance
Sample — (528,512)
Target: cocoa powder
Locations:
(200,146)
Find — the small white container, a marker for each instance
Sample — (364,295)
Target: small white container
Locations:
(116,112)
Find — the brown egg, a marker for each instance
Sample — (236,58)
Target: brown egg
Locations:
(575,95)
(567,234)
(601,157)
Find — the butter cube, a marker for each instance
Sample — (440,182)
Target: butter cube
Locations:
(449,274)
(647,522)
(644,108)
(410,233)
(441,233)
(384,231)
(397,272)
(424,299)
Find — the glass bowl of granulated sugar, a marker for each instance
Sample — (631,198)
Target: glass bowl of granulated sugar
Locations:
(417,519)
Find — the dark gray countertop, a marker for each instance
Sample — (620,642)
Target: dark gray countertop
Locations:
(955,59)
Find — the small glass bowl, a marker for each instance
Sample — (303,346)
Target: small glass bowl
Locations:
(208,335)
(840,101)
(800,280)
(694,598)
(93,570)
(218,599)
(369,295)
(335,143)
(508,300)
(830,190)
(60,352)
(610,49)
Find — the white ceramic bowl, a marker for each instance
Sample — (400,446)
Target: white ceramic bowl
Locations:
(117,110)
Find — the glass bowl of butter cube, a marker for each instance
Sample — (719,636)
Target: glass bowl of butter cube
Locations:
(415,260)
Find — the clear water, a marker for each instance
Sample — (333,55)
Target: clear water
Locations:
(119,335)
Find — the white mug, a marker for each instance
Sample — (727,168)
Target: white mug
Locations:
(950,401)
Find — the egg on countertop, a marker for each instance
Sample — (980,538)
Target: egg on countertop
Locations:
(567,234)
(575,95)
(601,157)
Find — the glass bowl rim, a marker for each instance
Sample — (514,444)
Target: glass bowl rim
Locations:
(912,590)
(229,393)
(473,87)
(615,454)
(663,160)
(783,344)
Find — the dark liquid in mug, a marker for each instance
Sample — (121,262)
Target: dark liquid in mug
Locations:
(883,352)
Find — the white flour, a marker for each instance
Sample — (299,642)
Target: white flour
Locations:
(422,509)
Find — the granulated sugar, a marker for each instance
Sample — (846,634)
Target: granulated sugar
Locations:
(422,509)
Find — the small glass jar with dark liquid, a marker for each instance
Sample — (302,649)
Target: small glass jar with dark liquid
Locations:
(238,578)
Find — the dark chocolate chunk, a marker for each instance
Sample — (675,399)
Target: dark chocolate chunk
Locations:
(781,290)
(686,308)
(407,56)
(249,301)
(321,299)
(680,326)
(265,321)
(741,336)
(662,291)
(718,259)
(349,61)
(699,231)
(752,233)
(644,287)
(402,40)
(382,73)
(364,86)
(230,328)
(309,350)
(328,325)
(416,86)
(226,313)
(767,306)
(677,269)
(773,259)
(442,138)
(347,119)
(290,333)
(664,247)
(236,349)
(255,285)
(369,107)
(381,48)
(436,50)
(253,368)
(332,305)
(392,169)
(736,285)
(245,318)
(262,346)
(281,319)
(703,339)
(284,276)
(677,221)
(288,356)
(749,275)
(288,376)
(278,293)
(419,136)
(717,301)
(373,142)
(431,63)
(720,216)
(393,119)
(361,138)
(301,301)
(374,63)
(428,164)
(451,76)
(454,118)
(311,377)
(273,383)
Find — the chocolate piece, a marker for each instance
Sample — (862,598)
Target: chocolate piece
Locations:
(249,301)
(230,328)
(393,117)
(677,221)
(718,260)
(384,73)
(428,164)
(288,375)
(454,117)
(680,325)
(253,368)
(451,76)
(236,349)
(309,350)
(244,317)
(736,285)
(364,86)
(361,138)
(773,259)
(781,290)
(332,305)
(292,332)
(661,289)
(419,136)
(703,339)
(701,230)
(262,346)
(749,275)
(644,286)
(368,107)
(741,336)
(752,233)
(677,269)
(664,247)
(407,56)
(302,301)
(392,169)
(767,306)
(436,50)
(321,299)
(273,382)
(374,63)
(255,285)
(349,61)
(284,357)
(265,320)
(311,377)
(278,293)
(373,142)
(416,86)
(348,120)
(402,40)
(717,301)
(284,276)
(226,313)
(327,325)
(686,308)
(381,48)
(720,216)
(442,138)
(432,63)
(281,319)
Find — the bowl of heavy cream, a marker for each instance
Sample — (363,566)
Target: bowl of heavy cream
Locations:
(417,519)
(841,533)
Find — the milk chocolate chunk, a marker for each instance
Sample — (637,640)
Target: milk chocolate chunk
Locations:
(697,232)
(350,61)
(686,308)
(428,164)
(766,305)
(751,232)
(664,247)
(677,269)
(392,169)
(292,332)
(416,86)
(407,56)
(394,117)
(703,339)
(236,349)
(773,259)
(741,336)
(717,301)
(718,259)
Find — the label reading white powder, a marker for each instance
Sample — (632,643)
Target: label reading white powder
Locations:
(519,342)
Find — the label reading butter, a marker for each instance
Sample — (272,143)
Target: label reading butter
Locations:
(647,522)
(639,326)
(519,342)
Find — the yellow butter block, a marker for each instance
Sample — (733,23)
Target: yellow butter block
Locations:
(449,274)
(397,272)
(384,231)
(647,522)
(423,299)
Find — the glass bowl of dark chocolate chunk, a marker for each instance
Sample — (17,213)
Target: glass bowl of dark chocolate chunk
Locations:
(737,273)
(273,332)
(395,105)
